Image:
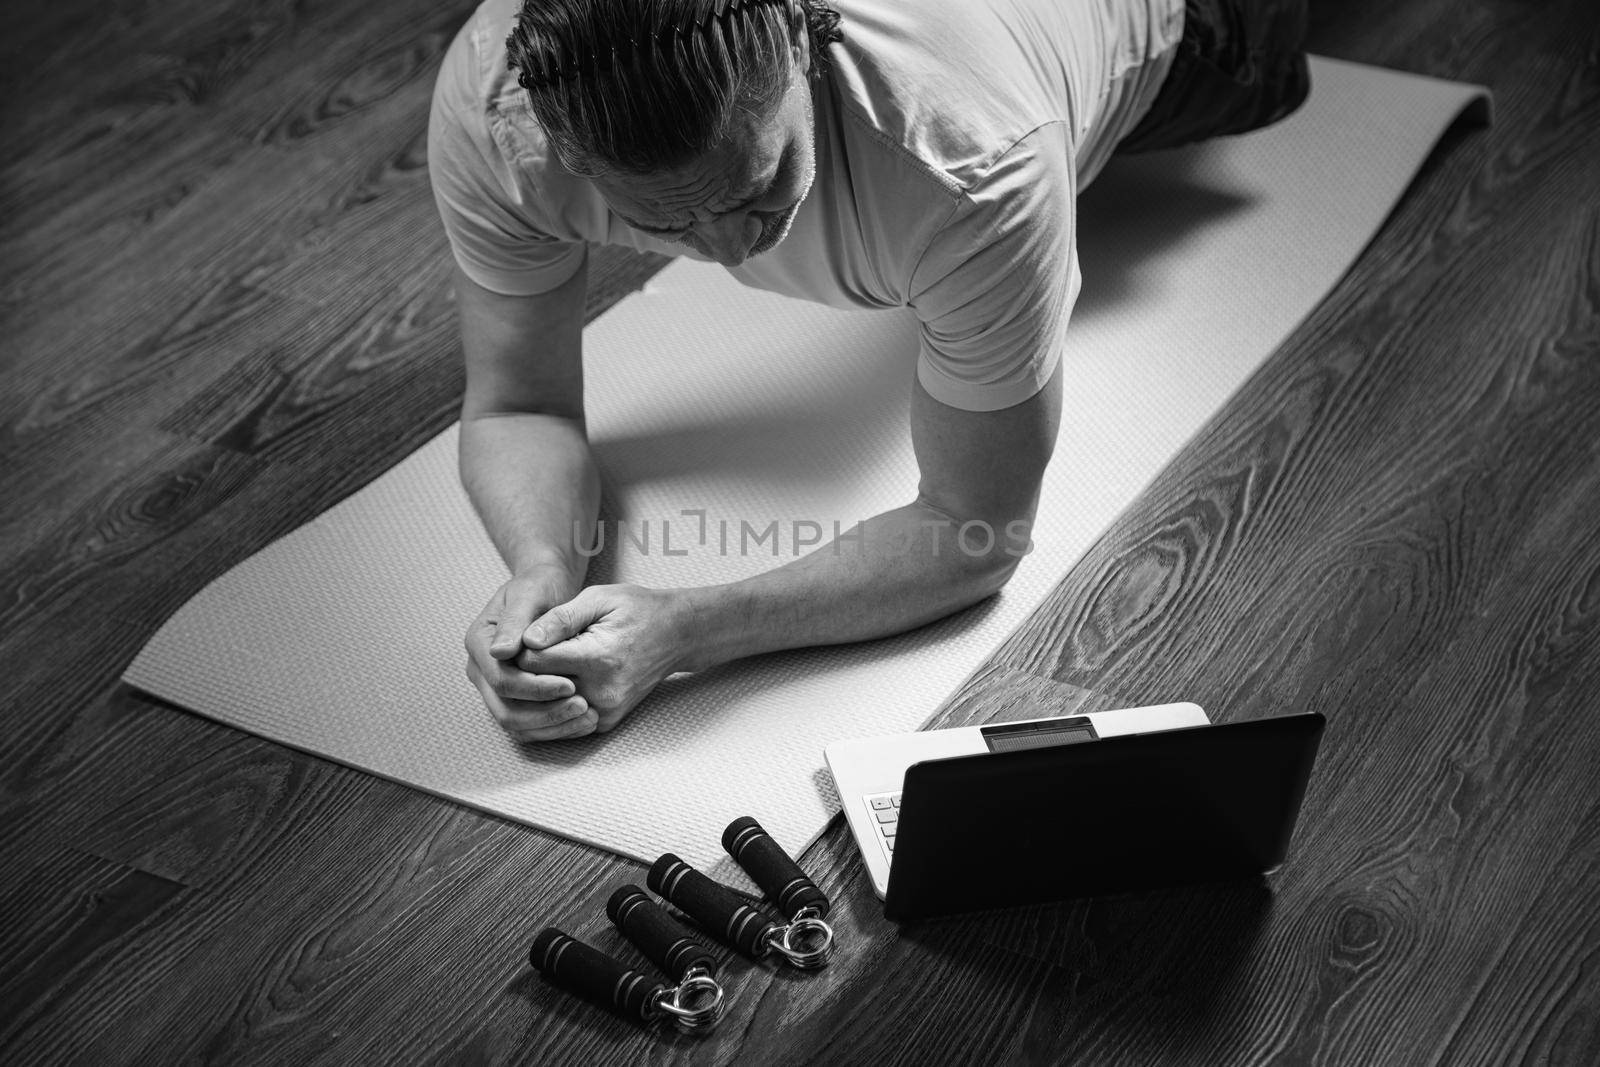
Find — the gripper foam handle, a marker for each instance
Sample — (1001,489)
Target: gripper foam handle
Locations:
(590,973)
(714,907)
(771,868)
(667,942)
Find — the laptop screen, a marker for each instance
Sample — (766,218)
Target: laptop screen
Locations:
(1126,813)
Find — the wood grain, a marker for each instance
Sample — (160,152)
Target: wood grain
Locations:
(225,308)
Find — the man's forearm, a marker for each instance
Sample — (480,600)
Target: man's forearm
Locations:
(909,567)
(533,481)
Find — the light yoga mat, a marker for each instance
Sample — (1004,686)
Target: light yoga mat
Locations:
(344,638)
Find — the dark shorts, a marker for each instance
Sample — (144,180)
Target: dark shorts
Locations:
(1241,65)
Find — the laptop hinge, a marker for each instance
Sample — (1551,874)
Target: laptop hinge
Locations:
(1047,733)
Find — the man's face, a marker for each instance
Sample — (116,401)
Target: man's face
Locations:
(739,199)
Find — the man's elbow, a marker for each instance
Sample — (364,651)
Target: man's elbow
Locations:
(990,552)
(993,571)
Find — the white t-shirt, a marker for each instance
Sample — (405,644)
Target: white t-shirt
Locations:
(952,138)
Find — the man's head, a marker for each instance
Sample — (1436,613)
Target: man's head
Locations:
(692,117)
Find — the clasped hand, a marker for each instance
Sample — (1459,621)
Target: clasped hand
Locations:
(549,670)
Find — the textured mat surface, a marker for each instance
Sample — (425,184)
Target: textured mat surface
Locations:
(717,411)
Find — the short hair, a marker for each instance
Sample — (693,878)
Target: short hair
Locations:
(638,86)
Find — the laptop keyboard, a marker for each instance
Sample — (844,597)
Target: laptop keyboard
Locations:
(885,808)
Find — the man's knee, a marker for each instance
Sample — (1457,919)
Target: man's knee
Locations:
(1241,65)
(1280,50)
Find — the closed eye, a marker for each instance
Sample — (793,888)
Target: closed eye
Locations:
(672,233)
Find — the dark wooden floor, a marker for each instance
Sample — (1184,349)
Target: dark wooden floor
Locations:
(224,308)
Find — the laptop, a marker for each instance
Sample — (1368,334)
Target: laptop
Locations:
(1050,809)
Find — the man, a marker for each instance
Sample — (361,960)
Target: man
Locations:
(888,153)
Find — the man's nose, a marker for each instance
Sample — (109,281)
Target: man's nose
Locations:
(730,237)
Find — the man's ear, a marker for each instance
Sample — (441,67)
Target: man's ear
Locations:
(800,37)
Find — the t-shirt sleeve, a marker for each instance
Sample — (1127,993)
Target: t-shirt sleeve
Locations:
(488,216)
(996,285)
